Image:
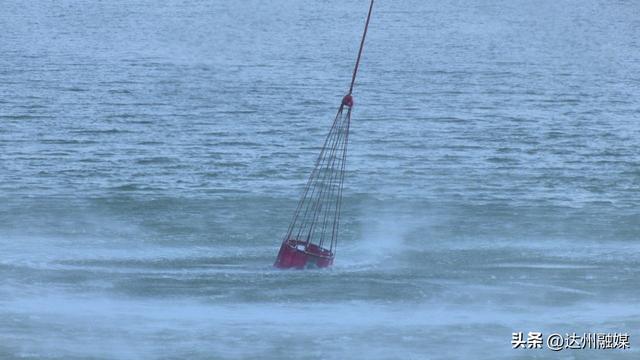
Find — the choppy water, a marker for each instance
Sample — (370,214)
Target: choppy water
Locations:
(151,154)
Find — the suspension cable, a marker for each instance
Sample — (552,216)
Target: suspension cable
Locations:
(364,35)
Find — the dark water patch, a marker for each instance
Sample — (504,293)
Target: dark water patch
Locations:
(29,106)
(150,143)
(239,143)
(128,187)
(449,120)
(231,164)
(74,89)
(67,142)
(124,116)
(503,160)
(58,153)
(102,131)
(151,103)
(157,160)
(121,82)
(237,112)
(141,122)
(24,117)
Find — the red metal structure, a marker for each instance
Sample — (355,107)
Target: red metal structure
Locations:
(312,236)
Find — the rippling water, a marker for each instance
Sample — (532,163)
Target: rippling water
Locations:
(151,155)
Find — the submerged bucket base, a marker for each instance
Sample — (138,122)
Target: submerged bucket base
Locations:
(300,255)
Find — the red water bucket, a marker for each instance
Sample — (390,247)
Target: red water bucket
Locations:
(299,254)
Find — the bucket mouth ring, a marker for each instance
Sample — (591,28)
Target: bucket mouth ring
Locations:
(310,249)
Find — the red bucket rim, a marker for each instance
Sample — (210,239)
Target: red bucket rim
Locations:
(319,253)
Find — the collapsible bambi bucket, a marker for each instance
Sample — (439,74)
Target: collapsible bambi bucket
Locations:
(300,255)
(312,236)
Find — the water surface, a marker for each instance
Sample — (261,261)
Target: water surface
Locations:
(151,155)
